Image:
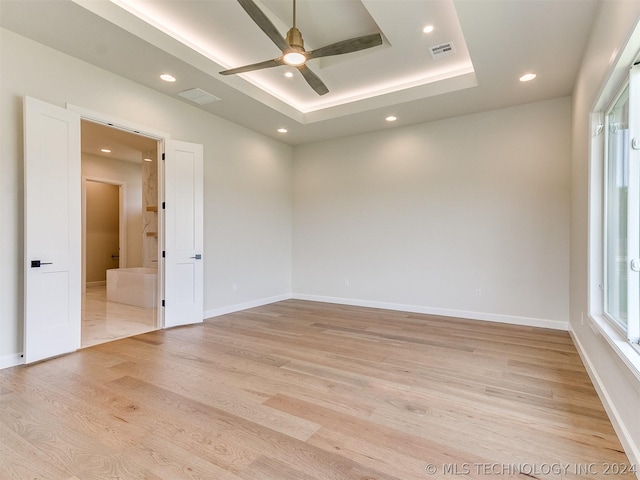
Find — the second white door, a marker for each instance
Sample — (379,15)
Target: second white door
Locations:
(183,232)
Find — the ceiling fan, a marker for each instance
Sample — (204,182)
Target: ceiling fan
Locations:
(293,52)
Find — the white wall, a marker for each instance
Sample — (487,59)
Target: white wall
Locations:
(247,178)
(421,217)
(617,386)
(130,174)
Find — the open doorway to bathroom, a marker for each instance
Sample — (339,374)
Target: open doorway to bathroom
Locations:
(119,234)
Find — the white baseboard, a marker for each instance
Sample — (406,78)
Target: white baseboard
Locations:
(12,360)
(445,312)
(630,447)
(216,312)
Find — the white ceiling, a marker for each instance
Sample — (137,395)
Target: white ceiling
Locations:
(224,33)
(496,41)
(123,145)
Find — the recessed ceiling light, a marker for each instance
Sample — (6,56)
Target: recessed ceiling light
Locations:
(288,74)
(428,29)
(391,118)
(105,150)
(282,130)
(527,77)
(168,78)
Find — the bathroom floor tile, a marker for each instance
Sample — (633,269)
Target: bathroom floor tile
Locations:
(104,321)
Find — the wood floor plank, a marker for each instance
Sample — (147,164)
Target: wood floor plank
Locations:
(310,391)
(19,459)
(66,447)
(190,425)
(371,453)
(115,424)
(266,468)
(251,436)
(388,438)
(192,382)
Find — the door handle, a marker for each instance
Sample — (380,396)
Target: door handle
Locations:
(198,256)
(38,263)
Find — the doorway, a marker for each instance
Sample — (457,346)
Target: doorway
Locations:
(101,229)
(120,240)
(52,220)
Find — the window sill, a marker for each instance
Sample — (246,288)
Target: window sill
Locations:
(627,352)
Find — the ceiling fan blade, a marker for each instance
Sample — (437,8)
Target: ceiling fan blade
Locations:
(347,46)
(254,66)
(313,80)
(264,23)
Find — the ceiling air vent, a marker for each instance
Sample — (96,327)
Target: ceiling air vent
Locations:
(196,95)
(442,50)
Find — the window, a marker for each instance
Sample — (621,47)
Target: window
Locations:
(614,209)
(621,250)
(617,185)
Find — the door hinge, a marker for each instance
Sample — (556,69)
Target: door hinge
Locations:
(163,156)
(163,303)
(163,254)
(163,207)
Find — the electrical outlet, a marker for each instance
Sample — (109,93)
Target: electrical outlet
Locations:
(582,318)
(478,293)
(347,283)
(234,287)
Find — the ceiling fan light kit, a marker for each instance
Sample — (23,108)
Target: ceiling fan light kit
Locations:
(294,58)
(293,52)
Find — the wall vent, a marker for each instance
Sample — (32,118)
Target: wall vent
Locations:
(199,96)
(442,50)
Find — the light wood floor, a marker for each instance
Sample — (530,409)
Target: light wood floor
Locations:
(309,391)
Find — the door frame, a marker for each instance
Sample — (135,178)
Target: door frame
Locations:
(160,137)
(122,224)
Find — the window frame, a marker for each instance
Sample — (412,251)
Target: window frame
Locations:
(623,341)
(605,208)
(633,205)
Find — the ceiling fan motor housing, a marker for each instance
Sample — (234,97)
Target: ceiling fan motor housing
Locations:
(294,39)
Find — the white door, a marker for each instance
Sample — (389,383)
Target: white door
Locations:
(183,274)
(52,230)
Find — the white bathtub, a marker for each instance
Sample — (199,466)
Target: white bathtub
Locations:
(133,286)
